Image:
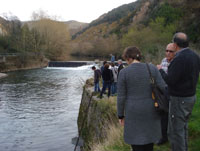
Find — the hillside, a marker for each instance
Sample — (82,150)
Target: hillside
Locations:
(72,25)
(152,23)
(75,26)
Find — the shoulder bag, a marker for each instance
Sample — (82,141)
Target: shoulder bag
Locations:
(161,101)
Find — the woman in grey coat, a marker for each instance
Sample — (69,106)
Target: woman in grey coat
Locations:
(135,106)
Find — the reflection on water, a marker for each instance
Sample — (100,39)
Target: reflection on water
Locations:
(39,108)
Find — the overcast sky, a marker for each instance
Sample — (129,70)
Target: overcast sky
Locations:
(79,10)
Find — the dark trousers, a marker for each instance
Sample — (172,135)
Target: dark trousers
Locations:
(107,84)
(146,147)
(164,125)
(180,109)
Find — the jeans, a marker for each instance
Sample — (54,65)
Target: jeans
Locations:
(96,87)
(114,87)
(107,84)
(180,109)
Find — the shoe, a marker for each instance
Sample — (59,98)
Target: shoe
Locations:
(162,141)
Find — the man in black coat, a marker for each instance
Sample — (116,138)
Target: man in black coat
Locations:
(182,78)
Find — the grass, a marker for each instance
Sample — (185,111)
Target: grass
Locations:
(114,140)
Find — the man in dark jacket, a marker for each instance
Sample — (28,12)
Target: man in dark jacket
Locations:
(182,78)
(107,78)
(97,76)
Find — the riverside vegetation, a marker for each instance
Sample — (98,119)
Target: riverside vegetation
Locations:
(103,133)
(147,24)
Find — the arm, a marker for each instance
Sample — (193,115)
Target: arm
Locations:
(121,91)
(174,71)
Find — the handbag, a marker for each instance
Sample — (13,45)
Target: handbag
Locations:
(161,101)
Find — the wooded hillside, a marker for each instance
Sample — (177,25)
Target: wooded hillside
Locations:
(147,24)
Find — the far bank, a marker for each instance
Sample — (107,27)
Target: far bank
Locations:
(15,62)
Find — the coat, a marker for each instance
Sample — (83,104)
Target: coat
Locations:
(134,101)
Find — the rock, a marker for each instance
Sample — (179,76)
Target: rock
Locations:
(3,75)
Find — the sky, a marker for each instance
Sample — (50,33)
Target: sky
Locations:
(64,10)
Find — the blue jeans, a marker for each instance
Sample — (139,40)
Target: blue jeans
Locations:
(180,109)
(96,87)
(114,87)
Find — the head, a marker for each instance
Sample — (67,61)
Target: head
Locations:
(104,62)
(112,64)
(170,52)
(106,66)
(119,61)
(132,53)
(180,41)
(93,68)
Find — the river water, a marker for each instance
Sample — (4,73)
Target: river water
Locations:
(39,108)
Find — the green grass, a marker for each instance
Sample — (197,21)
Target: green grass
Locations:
(194,133)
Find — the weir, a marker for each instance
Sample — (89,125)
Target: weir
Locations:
(69,63)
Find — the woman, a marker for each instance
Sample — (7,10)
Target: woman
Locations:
(134,102)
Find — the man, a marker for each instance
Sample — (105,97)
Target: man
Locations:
(112,59)
(120,66)
(169,55)
(182,78)
(114,82)
(97,76)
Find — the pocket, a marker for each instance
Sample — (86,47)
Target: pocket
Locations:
(186,105)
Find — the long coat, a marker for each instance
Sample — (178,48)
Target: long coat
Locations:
(134,101)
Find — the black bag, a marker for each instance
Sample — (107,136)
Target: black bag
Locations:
(161,100)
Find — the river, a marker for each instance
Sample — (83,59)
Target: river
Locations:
(39,108)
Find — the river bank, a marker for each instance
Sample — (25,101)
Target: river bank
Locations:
(23,62)
(102,132)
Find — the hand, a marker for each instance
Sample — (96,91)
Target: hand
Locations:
(159,67)
(121,122)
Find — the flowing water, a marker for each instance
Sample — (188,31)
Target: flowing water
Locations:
(39,108)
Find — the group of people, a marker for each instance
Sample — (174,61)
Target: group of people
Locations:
(178,74)
(109,73)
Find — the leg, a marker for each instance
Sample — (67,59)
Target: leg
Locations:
(112,88)
(95,87)
(164,125)
(179,113)
(103,89)
(98,88)
(109,87)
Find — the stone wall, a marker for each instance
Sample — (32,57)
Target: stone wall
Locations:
(101,113)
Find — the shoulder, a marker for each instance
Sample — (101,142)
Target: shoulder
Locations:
(164,60)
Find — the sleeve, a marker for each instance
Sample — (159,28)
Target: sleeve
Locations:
(174,71)
(121,94)
(159,80)
(95,76)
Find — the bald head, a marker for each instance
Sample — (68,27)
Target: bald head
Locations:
(181,40)
(170,46)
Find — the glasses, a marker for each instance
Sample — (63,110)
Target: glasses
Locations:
(171,51)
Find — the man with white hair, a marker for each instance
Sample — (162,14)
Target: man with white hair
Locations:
(169,55)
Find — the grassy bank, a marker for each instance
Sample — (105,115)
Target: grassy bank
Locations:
(114,133)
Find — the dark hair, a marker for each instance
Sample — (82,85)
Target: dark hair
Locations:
(132,52)
(93,67)
(104,62)
(182,42)
(106,66)
(112,64)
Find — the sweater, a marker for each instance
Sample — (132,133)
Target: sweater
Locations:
(135,104)
(183,74)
